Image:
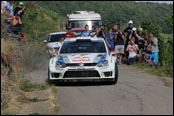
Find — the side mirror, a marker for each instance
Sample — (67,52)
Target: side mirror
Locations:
(45,41)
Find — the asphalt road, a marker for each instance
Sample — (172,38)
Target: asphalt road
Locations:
(136,93)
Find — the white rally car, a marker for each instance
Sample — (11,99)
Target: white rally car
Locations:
(53,42)
(83,59)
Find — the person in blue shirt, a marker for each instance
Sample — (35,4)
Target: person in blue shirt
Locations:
(86,32)
(109,38)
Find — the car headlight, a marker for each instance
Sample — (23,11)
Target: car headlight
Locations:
(60,63)
(103,63)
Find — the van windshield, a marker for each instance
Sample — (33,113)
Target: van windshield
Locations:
(81,24)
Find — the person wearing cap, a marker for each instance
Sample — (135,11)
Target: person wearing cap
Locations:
(20,9)
(72,35)
(134,35)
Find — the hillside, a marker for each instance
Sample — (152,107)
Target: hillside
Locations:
(38,22)
(117,12)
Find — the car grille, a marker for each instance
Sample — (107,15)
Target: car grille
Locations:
(85,64)
(81,74)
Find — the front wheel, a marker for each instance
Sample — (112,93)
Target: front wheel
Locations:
(116,75)
(49,81)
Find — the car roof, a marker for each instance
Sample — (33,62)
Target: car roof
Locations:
(85,38)
(57,33)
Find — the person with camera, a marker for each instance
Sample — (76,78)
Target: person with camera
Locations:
(101,32)
(21,9)
(132,49)
(93,33)
(119,44)
(15,23)
(154,43)
(109,38)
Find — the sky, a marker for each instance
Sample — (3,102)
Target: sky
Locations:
(167,2)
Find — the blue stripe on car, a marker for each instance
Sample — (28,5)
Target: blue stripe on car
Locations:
(101,60)
(62,61)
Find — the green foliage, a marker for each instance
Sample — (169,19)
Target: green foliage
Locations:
(38,22)
(27,86)
(169,21)
(116,11)
(148,27)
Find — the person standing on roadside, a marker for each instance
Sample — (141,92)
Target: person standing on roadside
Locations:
(127,33)
(119,44)
(101,32)
(109,38)
(155,50)
(72,35)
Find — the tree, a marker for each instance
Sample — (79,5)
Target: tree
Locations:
(169,21)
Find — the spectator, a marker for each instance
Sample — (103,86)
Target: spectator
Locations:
(67,35)
(21,9)
(86,32)
(132,49)
(16,23)
(127,33)
(115,28)
(101,32)
(10,7)
(134,35)
(72,35)
(141,42)
(119,40)
(3,6)
(109,38)
(154,43)
(93,33)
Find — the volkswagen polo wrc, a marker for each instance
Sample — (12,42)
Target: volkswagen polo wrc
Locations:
(83,59)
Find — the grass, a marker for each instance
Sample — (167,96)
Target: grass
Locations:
(160,71)
(27,86)
(36,114)
(7,112)
(166,35)
(24,99)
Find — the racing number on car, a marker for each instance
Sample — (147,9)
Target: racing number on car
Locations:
(81,59)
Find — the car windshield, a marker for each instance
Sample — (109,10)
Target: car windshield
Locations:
(55,37)
(83,47)
(81,24)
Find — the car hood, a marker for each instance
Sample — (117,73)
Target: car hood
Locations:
(54,44)
(83,58)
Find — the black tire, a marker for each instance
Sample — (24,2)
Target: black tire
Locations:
(116,75)
(49,81)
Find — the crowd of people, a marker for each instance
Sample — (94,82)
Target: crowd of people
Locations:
(130,45)
(14,16)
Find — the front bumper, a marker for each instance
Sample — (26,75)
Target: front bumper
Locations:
(92,73)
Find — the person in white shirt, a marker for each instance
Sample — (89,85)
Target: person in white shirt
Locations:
(3,5)
(10,7)
(132,48)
